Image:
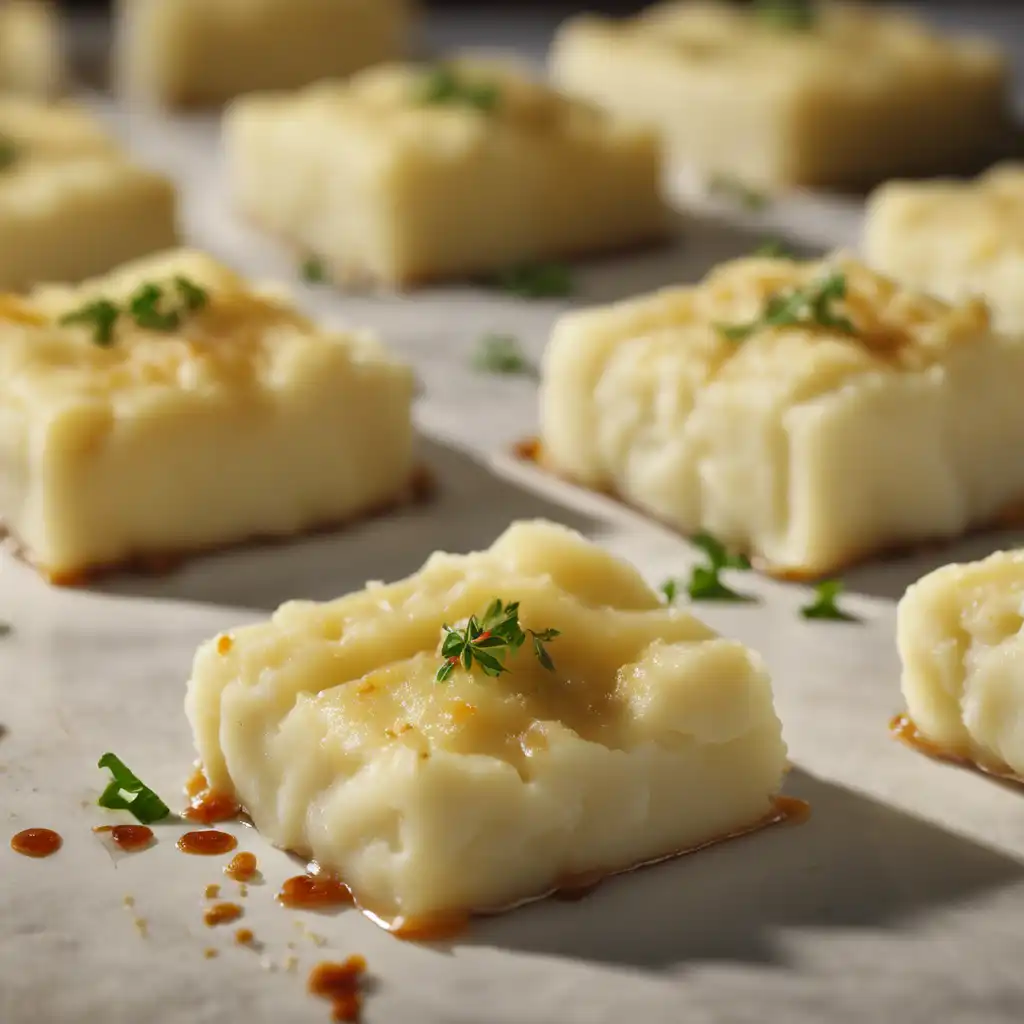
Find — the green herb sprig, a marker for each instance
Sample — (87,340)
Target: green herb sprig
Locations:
(825,604)
(8,153)
(536,281)
(795,15)
(502,354)
(443,86)
(313,270)
(145,805)
(152,306)
(486,642)
(705,583)
(811,305)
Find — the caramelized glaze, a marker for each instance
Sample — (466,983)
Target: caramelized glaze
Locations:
(130,838)
(208,843)
(36,842)
(341,984)
(243,867)
(222,913)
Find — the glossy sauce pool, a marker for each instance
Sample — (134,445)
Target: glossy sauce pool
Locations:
(130,838)
(207,843)
(37,842)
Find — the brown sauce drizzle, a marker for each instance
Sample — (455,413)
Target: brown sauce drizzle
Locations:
(902,728)
(37,842)
(206,806)
(243,867)
(244,937)
(315,892)
(208,843)
(130,838)
(341,984)
(222,913)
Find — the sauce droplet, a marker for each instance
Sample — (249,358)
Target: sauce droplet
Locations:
(340,983)
(208,843)
(529,449)
(243,867)
(209,808)
(308,892)
(222,913)
(130,838)
(432,928)
(37,842)
(244,937)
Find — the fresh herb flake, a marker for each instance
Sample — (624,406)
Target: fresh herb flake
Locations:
(144,307)
(486,642)
(825,604)
(737,192)
(796,15)
(706,585)
(812,305)
(313,270)
(145,805)
(443,86)
(8,153)
(100,316)
(193,298)
(670,591)
(774,248)
(718,555)
(502,354)
(536,281)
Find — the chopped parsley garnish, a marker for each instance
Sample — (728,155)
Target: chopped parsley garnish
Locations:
(705,582)
(774,248)
(804,306)
(502,353)
(487,641)
(100,316)
(145,805)
(313,270)
(729,188)
(536,280)
(152,306)
(443,86)
(788,14)
(825,604)
(8,152)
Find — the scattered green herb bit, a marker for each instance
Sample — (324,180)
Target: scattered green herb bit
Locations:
(101,316)
(774,248)
(670,591)
(443,86)
(810,305)
(788,14)
(8,152)
(146,806)
(744,195)
(706,580)
(144,308)
(825,604)
(502,353)
(487,641)
(313,270)
(193,297)
(536,280)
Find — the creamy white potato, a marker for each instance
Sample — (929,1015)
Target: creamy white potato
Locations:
(860,95)
(202,52)
(803,445)
(650,736)
(31,49)
(71,204)
(961,640)
(954,238)
(244,421)
(386,187)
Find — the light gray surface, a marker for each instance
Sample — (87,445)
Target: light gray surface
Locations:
(901,900)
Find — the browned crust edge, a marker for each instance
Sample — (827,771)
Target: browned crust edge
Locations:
(903,729)
(419,489)
(531,450)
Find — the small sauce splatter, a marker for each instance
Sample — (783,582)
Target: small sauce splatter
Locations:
(37,842)
(222,913)
(210,953)
(209,808)
(208,843)
(130,838)
(244,937)
(224,644)
(340,983)
(196,783)
(243,867)
(432,928)
(211,892)
(529,449)
(309,892)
